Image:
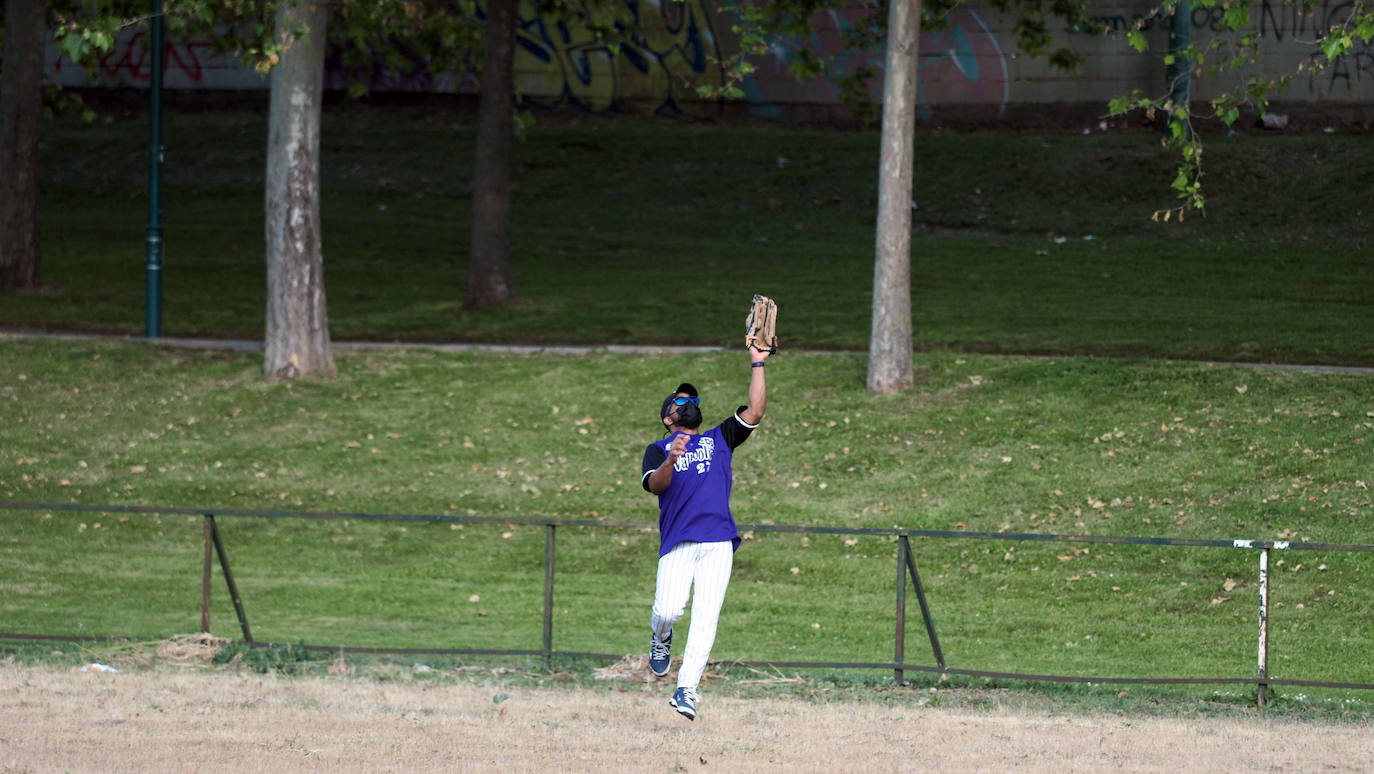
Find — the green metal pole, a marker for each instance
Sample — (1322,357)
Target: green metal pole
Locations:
(153,301)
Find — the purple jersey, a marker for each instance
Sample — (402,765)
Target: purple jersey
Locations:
(696,504)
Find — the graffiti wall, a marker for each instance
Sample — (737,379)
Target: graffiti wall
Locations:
(970,67)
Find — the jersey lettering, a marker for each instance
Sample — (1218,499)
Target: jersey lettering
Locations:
(705,448)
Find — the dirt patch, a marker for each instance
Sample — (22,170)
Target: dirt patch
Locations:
(189,649)
(187,720)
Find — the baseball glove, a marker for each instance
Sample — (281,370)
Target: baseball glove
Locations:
(760,327)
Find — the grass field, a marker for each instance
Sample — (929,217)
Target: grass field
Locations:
(1062,387)
(994,443)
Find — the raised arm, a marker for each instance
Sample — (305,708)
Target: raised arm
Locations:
(758,387)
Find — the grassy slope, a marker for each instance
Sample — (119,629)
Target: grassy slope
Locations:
(610,218)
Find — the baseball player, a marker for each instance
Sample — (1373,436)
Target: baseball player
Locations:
(690,472)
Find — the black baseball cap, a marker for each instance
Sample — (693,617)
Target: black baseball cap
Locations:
(685,387)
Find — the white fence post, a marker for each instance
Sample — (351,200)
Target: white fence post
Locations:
(1263,622)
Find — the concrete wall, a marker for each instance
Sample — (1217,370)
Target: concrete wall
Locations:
(969,71)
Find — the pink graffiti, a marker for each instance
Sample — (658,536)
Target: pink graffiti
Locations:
(961,63)
(130,58)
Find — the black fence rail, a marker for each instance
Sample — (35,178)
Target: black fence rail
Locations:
(907,575)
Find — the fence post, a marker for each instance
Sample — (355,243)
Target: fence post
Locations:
(548,594)
(205,577)
(899,647)
(925,607)
(229,578)
(1263,623)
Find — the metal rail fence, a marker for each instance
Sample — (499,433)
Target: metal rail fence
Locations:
(906,570)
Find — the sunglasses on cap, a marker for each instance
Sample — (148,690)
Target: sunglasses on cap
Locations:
(683,400)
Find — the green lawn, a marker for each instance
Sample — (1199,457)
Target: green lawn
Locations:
(991,443)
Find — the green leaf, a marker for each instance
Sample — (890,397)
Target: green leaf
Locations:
(72,46)
(1137,40)
(1235,18)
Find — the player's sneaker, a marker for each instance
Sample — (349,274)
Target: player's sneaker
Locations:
(685,702)
(660,653)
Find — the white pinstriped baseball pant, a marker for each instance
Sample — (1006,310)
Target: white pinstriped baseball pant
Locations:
(704,567)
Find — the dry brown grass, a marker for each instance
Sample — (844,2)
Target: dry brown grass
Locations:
(190,719)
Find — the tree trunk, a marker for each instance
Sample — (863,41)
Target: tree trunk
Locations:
(489,269)
(890,366)
(21,99)
(297,327)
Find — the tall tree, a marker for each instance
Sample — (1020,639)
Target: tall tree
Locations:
(21,101)
(288,38)
(890,361)
(489,281)
(297,341)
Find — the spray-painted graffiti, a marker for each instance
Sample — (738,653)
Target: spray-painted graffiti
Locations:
(1279,19)
(666,49)
(1207,18)
(962,63)
(1300,21)
(412,74)
(1303,23)
(1354,70)
(128,60)
(661,50)
(1288,31)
